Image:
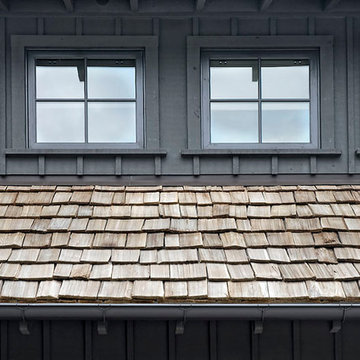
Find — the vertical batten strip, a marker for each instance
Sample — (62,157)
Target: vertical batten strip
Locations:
(79,165)
(79,26)
(273,26)
(274,165)
(157,165)
(296,340)
(196,166)
(4,340)
(311,25)
(129,340)
(118,26)
(41,165)
(195,26)
(338,346)
(313,165)
(213,340)
(2,96)
(40,26)
(156,26)
(254,345)
(236,165)
(234,26)
(88,340)
(171,341)
(350,93)
(118,165)
(46,340)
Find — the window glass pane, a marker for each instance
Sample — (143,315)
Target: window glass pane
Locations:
(111,82)
(285,79)
(60,122)
(285,122)
(112,122)
(59,82)
(235,79)
(234,122)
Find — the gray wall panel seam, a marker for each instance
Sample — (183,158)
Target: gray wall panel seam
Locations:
(129,340)
(350,92)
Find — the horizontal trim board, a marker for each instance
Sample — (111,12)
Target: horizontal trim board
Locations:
(177,311)
(180,180)
(123,152)
(261,152)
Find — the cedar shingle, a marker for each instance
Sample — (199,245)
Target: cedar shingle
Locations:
(325,290)
(295,272)
(278,255)
(177,256)
(190,240)
(80,271)
(266,271)
(267,224)
(48,290)
(217,290)
(109,240)
(131,272)
(236,256)
(147,289)
(125,256)
(188,211)
(95,256)
(255,239)
(155,240)
(136,240)
(36,272)
(115,290)
(302,224)
(160,272)
(232,240)
(183,225)
(18,290)
(212,255)
(240,272)
(287,290)
(281,239)
(197,289)
(333,223)
(175,289)
(125,225)
(188,271)
(101,272)
(248,290)
(326,239)
(156,224)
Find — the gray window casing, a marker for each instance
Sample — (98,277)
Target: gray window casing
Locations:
(23,138)
(198,134)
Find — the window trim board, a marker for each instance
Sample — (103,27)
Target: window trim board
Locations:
(324,44)
(21,43)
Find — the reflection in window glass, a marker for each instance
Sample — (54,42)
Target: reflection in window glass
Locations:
(112,122)
(228,81)
(234,122)
(60,122)
(285,122)
(111,82)
(285,79)
(58,82)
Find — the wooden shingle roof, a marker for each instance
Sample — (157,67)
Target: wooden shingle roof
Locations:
(180,244)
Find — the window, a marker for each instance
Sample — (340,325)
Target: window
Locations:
(85,99)
(260,98)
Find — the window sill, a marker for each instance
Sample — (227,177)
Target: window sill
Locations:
(261,152)
(85,152)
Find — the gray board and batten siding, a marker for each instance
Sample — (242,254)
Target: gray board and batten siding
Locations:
(202,340)
(172,151)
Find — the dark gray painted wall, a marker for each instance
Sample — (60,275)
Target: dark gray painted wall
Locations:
(172,31)
(202,340)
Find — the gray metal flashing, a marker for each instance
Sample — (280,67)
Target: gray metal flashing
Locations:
(29,311)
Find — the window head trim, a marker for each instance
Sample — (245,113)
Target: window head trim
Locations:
(207,55)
